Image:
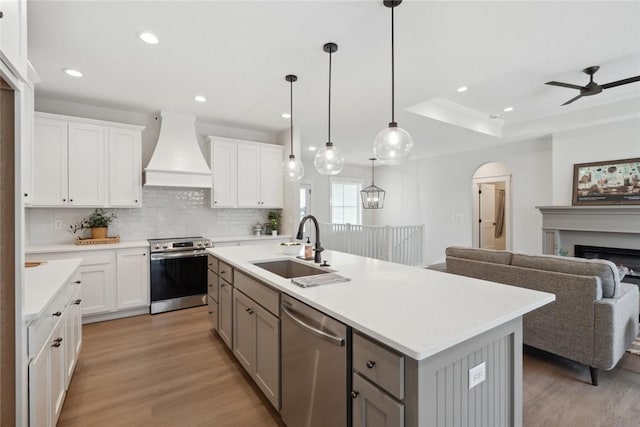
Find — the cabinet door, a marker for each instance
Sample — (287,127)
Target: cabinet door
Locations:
(27,141)
(374,408)
(13,34)
(132,278)
(40,388)
(249,176)
(49,163)
(58,383)
(225,313)
(271,182)
(97,275)
(76,305)
(266,371)
(125,167)
(243,330)
(69,344)
(86,165)
(224,161)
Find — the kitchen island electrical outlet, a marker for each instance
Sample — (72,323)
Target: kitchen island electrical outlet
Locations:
(477,374)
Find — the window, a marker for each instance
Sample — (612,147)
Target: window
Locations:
(305,200)
(345,201)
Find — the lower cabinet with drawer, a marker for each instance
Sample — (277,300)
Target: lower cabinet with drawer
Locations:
(212,290)
(256,334)
(55,339)
(378,384)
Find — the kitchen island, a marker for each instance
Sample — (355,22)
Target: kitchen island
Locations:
(439,325)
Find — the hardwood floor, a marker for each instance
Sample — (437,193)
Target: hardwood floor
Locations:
(170,370)
(163,370)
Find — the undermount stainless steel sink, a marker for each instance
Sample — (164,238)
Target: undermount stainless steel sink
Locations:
(288,269)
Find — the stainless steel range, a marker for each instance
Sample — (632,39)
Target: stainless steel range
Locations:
(178,273)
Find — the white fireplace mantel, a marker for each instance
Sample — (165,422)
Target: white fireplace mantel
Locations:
(610,226)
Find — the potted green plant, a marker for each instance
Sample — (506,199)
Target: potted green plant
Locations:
(98,222)
(274,220)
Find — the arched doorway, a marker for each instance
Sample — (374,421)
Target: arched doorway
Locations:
(492,207)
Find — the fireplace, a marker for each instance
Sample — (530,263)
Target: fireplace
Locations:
(627,260)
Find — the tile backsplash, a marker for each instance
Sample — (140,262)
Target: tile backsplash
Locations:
(165,212)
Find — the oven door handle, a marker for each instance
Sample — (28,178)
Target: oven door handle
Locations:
(174,255)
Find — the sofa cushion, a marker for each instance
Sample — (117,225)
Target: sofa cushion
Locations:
(605,270)
(475,254)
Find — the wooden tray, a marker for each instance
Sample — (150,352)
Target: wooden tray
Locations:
(29,264)
(105,241)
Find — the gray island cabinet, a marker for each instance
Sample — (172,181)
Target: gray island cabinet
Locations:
(427,348)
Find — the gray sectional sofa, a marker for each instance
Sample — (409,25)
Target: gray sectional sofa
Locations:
(594,318)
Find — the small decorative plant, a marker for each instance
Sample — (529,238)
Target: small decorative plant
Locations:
(100,218)
(274,220)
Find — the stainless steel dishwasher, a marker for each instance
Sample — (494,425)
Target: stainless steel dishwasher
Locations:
(315,363)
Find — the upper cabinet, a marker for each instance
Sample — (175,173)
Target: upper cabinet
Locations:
(246,174)
(85,163)
(13,35)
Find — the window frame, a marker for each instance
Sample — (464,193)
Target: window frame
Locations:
(345,180)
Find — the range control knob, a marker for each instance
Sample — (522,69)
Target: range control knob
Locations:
(198,243)
(165,246)
(157,246)
(207,243)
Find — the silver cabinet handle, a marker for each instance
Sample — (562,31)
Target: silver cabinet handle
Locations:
(371,364)
(355,394)
(312,330)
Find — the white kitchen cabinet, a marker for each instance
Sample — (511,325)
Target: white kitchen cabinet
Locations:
(225,312)
(68,164)
(125,168)
(75,161)
(246,174)
(49,170)
(224,162)
(86,151)
(28,134)
(97,274)
(13,35)
(58,372)
(133,278)
(260,167)
(39,387)
(73,334)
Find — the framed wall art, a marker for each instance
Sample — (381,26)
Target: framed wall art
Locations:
(613,182)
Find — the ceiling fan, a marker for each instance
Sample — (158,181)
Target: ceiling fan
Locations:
(592,88)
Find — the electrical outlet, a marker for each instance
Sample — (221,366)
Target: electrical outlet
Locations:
(460,217)
(477,374)
(57,224)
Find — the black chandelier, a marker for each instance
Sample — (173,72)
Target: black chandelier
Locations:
(372,196)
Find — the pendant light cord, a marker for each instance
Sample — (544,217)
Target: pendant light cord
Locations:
(291,115)
(372,182)
(329,127)
(393,77)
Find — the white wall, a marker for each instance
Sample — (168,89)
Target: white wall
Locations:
(613,141)
(438,193)
(165,211)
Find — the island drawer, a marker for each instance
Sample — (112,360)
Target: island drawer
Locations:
(213,264)
(212,284)
(225,271)
(40,329)
(379,364)
(260,293)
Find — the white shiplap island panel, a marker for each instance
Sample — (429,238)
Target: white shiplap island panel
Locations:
(415,311)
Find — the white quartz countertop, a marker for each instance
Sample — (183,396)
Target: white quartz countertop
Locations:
(247,238)
(416,311)
(72,247)
(43,283)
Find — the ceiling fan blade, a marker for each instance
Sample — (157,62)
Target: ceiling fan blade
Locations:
(621,82)
(569,85)
(573,99)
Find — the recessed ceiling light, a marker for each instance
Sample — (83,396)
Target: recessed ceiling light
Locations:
(285,115)
(507,109)
(312,148)
(462,89)
(494,116)
(200,98)
(71,72)
(148,37)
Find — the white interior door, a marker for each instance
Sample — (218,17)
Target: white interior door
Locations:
(487,215)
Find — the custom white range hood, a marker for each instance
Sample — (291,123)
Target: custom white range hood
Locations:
(177,160)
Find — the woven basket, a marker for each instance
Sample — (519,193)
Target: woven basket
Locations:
(105,241)
(99,232)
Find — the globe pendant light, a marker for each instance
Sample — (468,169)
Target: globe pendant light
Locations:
(393,145)
(372,196)
(329,160)
(292,167)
